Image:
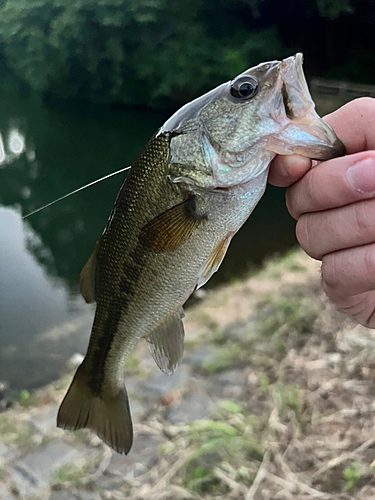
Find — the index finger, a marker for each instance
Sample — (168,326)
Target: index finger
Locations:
(354,124)
(333,183)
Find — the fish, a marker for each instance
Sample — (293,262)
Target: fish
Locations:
(186,195)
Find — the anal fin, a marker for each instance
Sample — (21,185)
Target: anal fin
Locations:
(166,343)
(214,261)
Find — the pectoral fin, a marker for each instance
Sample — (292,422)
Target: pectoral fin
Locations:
(166,343)
(172,228)
(214,261)
(87,277)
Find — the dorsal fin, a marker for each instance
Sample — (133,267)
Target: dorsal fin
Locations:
(166,343)
(87,277)
(173,227)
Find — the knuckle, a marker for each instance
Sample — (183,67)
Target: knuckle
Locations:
(370,321)
(304,195)
(302,232)
(362,103)
(369,262)
(313,188)
(305,235)
(362,214)
(290,200)
(331,277)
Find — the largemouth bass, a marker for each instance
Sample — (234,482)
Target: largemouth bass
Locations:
(188,193)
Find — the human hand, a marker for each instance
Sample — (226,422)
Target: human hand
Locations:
(334,205)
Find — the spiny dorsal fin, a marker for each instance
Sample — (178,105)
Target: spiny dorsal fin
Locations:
(172,228)
(214,261)
(87,277)
(166,343)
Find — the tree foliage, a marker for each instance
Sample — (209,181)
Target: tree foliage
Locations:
(158,52)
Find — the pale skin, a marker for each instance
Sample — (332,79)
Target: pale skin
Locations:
(334,205)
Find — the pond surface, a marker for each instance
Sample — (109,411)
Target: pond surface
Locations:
(47,151)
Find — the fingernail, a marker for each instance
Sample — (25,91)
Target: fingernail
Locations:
(361,176)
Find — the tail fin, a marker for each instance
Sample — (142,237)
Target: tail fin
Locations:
(108,416)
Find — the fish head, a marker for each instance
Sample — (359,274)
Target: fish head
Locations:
(236,129)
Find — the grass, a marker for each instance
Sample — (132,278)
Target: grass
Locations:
(294,314)
(13,432)
(288,398)
(226,356)
(275,325)
(231,438)
(277,267)
(72,474)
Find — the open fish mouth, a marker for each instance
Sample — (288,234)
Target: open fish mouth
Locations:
(305,131)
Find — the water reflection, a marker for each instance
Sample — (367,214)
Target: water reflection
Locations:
(2,150)
(16,142)
(15,146)
(32,304)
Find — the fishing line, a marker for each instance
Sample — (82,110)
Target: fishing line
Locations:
(76,191)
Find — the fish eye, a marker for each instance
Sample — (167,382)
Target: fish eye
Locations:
(244,88)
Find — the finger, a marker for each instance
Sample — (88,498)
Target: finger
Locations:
(354,124)
(360,306)
(337,229)
(333,183)
(286,170)
(349,272)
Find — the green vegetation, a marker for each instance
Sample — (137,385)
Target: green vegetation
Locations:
(286,398)
(72,474)
(161,54)
(230,438)
(27,400)
(295,311)
(13,432)
(352,475)
(225,357)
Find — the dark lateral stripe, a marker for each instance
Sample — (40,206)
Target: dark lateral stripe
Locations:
(118,306)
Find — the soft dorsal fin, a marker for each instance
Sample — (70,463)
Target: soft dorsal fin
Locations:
(87,277)
(214,261)
(166,343)
(172,228)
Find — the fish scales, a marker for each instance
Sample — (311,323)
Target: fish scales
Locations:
(187,194)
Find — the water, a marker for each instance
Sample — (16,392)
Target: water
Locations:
(47,151)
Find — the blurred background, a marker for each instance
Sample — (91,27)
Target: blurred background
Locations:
(83,86)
